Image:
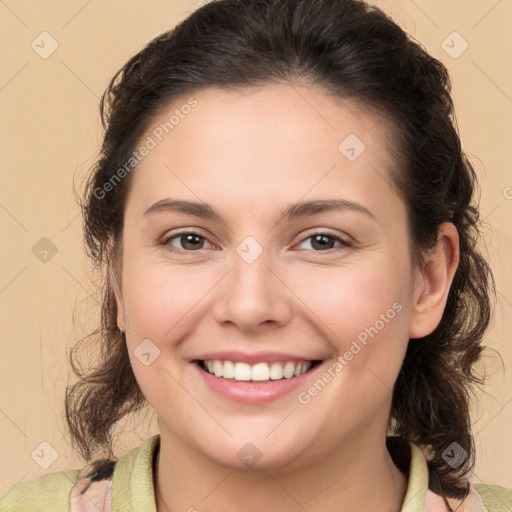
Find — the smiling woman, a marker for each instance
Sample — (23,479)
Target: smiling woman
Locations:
(293,278)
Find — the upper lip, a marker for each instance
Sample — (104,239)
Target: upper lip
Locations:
(253,358)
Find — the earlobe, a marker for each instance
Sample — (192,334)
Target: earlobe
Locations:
(431,294)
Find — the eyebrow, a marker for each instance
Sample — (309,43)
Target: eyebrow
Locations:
(293,211)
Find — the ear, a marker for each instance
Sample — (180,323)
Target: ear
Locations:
(115,278)
(433,282)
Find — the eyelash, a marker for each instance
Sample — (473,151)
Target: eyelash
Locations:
(343,243)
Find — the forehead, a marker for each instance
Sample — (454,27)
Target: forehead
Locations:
(280,142)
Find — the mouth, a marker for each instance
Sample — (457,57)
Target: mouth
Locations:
(261,372)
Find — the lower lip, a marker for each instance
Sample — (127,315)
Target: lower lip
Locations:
(251,392)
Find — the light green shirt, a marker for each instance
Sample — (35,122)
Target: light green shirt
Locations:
(131,489)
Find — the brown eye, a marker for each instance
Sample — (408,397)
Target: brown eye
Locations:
(325,241)
(189,241)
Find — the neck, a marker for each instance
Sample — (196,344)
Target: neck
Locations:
(361,477)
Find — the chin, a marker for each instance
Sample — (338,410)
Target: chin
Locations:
(258,454)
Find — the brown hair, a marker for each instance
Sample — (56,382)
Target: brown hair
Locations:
(349,50)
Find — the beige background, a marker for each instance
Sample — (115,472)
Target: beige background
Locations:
(50,132)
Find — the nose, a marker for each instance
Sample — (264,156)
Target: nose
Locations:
(253,294)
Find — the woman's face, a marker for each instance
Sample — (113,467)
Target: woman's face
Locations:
(262,292)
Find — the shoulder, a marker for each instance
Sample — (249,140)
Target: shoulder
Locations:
(411,459)
(62,491)
(480,498)
(48,492)
(75,490)
(495,497)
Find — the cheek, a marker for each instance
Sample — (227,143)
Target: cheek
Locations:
(364,312)
(344,301)
(349,299)
(367,314)
(161,300)
(341,302)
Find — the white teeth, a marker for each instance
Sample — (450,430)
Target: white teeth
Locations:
(228,371)
(242,371)
(260,371)
(276,371)
(257,372)
(217,368)
(288,370)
